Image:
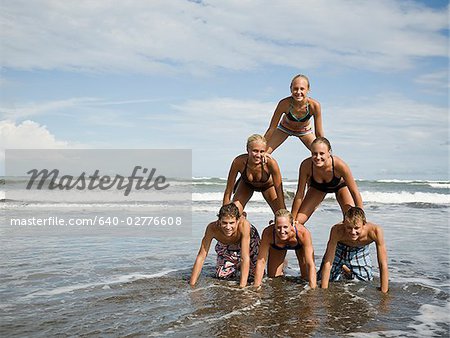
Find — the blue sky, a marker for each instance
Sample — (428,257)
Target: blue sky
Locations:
(204,75)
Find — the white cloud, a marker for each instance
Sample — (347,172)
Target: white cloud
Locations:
(14,112)
(438,80)
(389,127)
(95,110)
(153,36)
(28,135)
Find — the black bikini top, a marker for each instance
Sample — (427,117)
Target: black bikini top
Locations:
(332,186)
(265,177)
(286,247)
(294,118)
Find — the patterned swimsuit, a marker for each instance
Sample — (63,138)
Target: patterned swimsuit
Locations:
(229,256)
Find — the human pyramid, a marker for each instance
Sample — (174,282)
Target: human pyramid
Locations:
(240,248)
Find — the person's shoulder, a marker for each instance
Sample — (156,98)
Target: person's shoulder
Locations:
(337,230)
(211,228)
(339,162)
(313,102)
(374,231)
(306,163)
(267,231)
(337,159)
(240,158)
(302,230)
(270,161)
(244,224)
(285,100)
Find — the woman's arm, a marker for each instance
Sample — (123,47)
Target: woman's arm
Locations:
(318,125)
(277,182)
(308,250)
(263,253)
(301,186)
(202,253)
(232,174)
(275,120)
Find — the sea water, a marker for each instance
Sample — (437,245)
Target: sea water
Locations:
(138,286)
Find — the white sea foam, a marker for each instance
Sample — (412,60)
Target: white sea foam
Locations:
(429,318)
(410,181)
(377,334)
(116,280)
(248,208)
(218,196)
(440,185)
(367,196)
(405,197)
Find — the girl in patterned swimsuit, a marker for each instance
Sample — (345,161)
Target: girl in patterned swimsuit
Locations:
(257,173)
(292,117)
(324,174)
(279,237)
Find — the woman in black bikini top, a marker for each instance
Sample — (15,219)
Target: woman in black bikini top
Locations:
(324,174)
(279,237)
(257,173)
(260,185)
(333,185)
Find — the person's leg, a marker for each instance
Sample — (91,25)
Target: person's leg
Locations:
(275,203)
(345,199)
(254,249)
(308,139)
(227,263)
(310,202)
(302,262)
(275,262)
(242,195)
(360,263)
(275,140)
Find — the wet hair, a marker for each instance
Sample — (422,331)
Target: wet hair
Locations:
(300,76)
(322,140)
(228,210)
(256,138)
(355,215)
(284,213)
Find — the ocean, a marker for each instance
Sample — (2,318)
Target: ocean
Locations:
(137,286)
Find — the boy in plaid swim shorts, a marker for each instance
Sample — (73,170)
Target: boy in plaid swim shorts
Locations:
(347,255)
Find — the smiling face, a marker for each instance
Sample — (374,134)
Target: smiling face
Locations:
(299,88)
(353,230)
(320,154)
(228,225)
(256,151)
(283,227)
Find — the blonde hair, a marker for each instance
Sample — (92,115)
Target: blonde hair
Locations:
(322,140)
(300,76)
(355,215)
(284,213)
(256,138)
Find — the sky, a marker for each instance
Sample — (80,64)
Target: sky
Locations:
(204,75)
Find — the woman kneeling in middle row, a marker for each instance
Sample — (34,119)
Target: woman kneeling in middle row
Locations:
(279,237)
